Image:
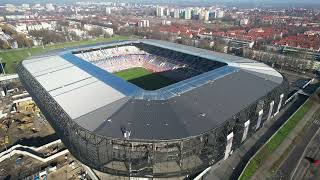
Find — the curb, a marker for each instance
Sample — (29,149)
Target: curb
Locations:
(303,154)
(271,138)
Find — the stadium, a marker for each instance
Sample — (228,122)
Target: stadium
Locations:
(148,108)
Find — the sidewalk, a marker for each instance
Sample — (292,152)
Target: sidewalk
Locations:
(232,167)
(303,169)
(262,172)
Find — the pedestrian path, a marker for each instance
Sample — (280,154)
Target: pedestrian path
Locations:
(304,170)
(232,167)
(263,171)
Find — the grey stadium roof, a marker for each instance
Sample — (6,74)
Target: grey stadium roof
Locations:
(183,110)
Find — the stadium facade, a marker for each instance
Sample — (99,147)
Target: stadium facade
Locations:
(117,127)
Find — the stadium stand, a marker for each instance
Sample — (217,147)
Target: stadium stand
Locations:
(116,127)
(175,65)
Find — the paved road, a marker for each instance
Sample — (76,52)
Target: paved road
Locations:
(313,172)
(233,166)
(263,172)
(304,170)
(288,166)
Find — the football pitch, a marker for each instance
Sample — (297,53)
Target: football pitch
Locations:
(144,78)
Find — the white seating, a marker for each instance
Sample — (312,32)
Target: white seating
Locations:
(126,57)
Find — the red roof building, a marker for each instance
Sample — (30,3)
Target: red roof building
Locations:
(304,41)
(254,34)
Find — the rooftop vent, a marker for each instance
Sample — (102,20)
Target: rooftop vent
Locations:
(203,114)
(126,133)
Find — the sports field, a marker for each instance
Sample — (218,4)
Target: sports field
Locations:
(12,57)
(145,79)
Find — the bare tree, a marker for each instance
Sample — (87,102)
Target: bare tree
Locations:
(96,32)
(4,44)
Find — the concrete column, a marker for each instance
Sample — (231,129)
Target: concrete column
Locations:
(270,110)
(259,119)
(280,103)
(229,145)
(245,131)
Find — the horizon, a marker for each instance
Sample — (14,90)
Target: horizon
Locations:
(240,3)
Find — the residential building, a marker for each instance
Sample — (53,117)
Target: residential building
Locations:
(159,12)
(187,13)
(144,23)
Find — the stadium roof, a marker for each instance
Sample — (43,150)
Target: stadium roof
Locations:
(105,104)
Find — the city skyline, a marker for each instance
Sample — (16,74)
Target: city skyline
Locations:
(184,89)
(247,3)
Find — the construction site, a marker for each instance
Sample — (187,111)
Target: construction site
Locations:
(20,118)
(29,146)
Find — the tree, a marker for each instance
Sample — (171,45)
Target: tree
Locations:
(106,35)
(22,40)
(63,23)
(48,36)
(204,43)
(74,36)
(8,30)
(96,32)
(4,44)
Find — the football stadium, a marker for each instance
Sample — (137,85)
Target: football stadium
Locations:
(149,108)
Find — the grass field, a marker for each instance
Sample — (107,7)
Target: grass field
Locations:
(275,141)
(145,79)
(12,57)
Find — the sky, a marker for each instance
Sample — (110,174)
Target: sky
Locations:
(288,3)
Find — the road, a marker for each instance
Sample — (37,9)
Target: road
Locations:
(304,170)
(288,166)
(232,167)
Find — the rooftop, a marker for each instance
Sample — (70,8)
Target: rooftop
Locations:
(105,104)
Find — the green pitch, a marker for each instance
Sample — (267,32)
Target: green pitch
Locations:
(145,79)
